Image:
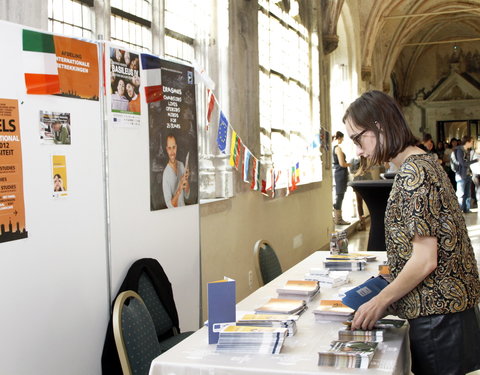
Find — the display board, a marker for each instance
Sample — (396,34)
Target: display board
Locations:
(75,201)
(55,297)
(169,235)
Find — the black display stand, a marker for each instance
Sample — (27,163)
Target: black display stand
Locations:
(375,194)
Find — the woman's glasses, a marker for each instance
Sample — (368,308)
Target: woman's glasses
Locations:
(356,138)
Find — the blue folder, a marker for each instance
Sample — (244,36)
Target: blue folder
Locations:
(357,296)
(221,307)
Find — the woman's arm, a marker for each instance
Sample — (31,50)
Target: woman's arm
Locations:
(422,262)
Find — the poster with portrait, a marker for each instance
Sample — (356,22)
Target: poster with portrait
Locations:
(12,206)
(59,176)
(173,139)
(125,88)
(55,128)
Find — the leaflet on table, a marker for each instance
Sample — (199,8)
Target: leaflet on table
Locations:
(221,306)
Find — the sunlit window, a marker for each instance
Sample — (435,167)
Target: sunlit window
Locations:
(71,17)
(289,92)
(181,27)
(131,24)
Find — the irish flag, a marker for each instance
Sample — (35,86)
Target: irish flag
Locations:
(153,87)
(41,72)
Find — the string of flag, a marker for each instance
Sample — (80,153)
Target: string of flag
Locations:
(241,158)
(259,177)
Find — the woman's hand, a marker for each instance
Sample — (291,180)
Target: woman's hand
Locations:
(369,313)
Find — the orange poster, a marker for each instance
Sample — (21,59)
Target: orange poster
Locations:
(12,207)
(60,65)
(77,63)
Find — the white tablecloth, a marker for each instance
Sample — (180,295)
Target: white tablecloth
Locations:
(194,356)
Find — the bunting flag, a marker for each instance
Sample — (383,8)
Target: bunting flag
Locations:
(222,133)
(211,104)
(235,150)
(251,165)
(240,150)
(268,182)
(201,75)
(297,172)
(153,73)
(293,180)
(275,177)
(246,164)
(264,188)
(255,174)
(233,145)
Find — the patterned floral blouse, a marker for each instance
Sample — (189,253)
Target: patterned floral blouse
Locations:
(423,201)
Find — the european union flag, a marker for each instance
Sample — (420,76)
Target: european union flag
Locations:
(222,132)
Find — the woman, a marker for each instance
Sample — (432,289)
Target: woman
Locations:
(463,175)
(133,97)
(340,167)
(451,147)
(119,101)
(435,277)
(58,183)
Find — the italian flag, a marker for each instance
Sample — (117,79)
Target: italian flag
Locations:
(40,63)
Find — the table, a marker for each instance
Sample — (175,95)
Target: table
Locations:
(375,193)
(300,352)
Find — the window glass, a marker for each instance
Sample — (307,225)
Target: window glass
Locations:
(70,17)
(289,91)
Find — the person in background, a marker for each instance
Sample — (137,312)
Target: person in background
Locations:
(435,282)
(340,167)
(427,143)
(61,134)
(440,150)
(475,168)
(357,176)
(447,161)
(463,176)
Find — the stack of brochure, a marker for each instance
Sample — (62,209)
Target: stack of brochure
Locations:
(384,271)
(389,323)
(345,264)
(332,310)
(251,340)
(282,306)
(328,279)
(383,323)
(349,354)
(270,320)
(299,289)
(357,256)
(374,335)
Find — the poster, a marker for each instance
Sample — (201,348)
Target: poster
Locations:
(60,65)
(55,128)
(59,176)
(173,140)
(125,88)
(12,207)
